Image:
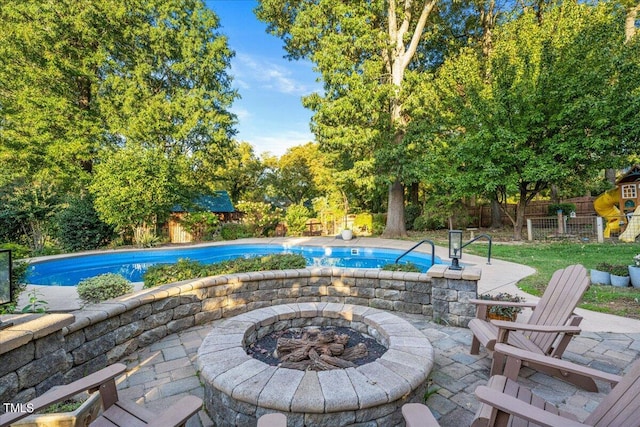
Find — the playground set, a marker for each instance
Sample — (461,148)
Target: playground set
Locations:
(620,207)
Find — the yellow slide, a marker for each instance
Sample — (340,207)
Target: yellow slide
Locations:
(633,227)
(605,206)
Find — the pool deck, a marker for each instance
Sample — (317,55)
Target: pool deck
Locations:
(159,374)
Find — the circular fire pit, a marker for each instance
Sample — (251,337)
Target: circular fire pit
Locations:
(239,389)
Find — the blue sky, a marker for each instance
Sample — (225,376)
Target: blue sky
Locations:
(270,113)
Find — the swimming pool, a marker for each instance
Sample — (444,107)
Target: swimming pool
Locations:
(68,271)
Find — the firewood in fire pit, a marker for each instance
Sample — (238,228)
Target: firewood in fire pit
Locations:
(318,350)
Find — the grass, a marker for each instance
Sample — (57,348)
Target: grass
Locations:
(547,257)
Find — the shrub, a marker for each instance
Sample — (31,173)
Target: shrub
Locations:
(186,269)
(261,217)
(501,310)
(619,270)
(17,251)
(103,287)
(379,222)
(425,222)
(201,225)
(411,212)
(232,231)
(408,267)
(79,228)
(296,219)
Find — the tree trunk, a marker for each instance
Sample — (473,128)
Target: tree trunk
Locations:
(496,214)
(610,175)
(395,212)
(520,210)
(414,193)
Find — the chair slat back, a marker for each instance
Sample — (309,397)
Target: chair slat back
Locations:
(563,293)
(621,407)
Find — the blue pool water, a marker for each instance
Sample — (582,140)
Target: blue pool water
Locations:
(68,271)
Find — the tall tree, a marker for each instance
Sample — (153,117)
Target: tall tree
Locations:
(364,51)
(241,174)
(76,77)
(543,115)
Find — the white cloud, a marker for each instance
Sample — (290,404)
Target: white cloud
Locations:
(241,113)
(278,144)
(254,72)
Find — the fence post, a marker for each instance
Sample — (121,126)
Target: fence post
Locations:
(599,229)
(529,230)
(560,223)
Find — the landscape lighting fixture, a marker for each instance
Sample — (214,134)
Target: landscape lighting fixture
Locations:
(455,248)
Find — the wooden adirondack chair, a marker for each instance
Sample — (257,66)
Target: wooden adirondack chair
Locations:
(272,420)
(418,415)
(505,402)
(549,329)
(115,412)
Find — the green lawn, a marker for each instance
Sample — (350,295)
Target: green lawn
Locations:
(547,257)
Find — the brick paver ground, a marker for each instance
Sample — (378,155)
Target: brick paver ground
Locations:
(159,374)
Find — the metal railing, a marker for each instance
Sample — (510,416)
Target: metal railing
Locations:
(478,237)
(433,250)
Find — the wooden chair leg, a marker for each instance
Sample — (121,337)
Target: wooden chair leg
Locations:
(497,364)
(475,346)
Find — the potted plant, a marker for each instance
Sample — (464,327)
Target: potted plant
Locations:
(634,272)
(347,234)
(601,275)
(79,411)
(502,312)
(620,275)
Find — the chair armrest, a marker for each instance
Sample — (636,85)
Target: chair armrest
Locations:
(553,362)
(178,413)
(274,419)
(503,303)
(90,382)
(514,326)
(512,405)
(418,415)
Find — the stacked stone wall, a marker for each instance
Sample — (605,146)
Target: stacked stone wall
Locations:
(59,348)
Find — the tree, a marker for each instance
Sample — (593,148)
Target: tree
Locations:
(299,175)
(136,188)
(364,51)
(542,115)
(27,208)
(78,77)
(241,174)
(78,226)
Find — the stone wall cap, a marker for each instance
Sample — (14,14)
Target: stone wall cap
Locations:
(437,270)
(41,326)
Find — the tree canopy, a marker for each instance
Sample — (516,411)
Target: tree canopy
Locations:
(81,81)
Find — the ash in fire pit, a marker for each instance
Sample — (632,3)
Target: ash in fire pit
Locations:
(316,349)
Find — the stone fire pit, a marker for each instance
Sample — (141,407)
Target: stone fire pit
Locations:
(239,389)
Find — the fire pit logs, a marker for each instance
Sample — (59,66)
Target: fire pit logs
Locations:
(318,350)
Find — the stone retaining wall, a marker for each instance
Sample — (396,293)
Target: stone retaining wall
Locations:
(60,348)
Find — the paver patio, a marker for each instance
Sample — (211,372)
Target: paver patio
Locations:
(166,370)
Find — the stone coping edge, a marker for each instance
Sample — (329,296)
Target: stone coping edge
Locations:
(224,364)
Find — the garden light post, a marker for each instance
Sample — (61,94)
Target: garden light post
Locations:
(455,248)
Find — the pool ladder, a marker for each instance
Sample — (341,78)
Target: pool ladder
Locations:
(433,247)
(433,250)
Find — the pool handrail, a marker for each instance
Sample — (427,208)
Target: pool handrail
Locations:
(433,250)
(488,237)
